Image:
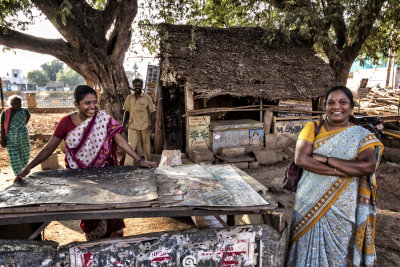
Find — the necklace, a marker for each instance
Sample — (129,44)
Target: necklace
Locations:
(79,118)
(327,125)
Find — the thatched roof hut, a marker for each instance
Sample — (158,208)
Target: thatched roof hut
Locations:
(238,62)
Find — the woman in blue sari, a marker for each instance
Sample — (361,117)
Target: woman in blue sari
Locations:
(335,208)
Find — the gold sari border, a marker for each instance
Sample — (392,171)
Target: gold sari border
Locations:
(319,209)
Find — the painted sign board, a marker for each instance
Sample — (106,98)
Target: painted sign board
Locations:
(255,245)
(231,133)
(304,104)
(289,128)
(152,78)
(198,132)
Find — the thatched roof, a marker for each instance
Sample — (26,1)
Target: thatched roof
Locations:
(236,61)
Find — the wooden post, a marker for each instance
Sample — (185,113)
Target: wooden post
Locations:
(158,135)
(267,121)
(189,105)
(261,112)
(31,99)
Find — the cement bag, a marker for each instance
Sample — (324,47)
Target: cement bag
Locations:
(203,222)
(170,158)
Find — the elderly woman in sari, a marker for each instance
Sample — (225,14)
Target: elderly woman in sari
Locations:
(15,135)
(335,208)
(91,138)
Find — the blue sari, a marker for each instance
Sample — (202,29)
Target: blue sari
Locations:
(334,217)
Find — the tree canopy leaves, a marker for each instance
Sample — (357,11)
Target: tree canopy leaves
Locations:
(52,69)
(37,77)
(69,77)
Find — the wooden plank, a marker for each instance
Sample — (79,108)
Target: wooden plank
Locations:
(66,207)
(39,230)
(257,186)
(235,184)
(249,108)
(382,100)
(295,118)
(232,159)
(304,104)
(17,218)
(391,117)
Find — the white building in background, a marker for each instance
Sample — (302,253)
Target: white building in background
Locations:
(15,82)
(17,77)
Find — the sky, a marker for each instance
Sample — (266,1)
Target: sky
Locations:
(28,61)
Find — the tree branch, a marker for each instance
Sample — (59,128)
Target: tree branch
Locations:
(120,38)
(362,26)
(15,39)
(337,21)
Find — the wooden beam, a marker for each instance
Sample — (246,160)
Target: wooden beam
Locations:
(241,109)
(39,230)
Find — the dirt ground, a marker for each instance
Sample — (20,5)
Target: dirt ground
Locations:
(388,220)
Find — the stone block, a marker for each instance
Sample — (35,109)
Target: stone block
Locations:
(51,163)
(250,149)
(242,165)
(200,155)
(232,151)
(278,141)
(282,154)
(253,165)
(289,152)
(267,156)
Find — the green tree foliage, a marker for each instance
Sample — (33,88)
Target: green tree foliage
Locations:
(70,77)
(37,77)
(385,36)
(52,69)
(338,28)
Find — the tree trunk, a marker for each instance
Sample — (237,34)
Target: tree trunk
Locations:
(341,71)
(108,77)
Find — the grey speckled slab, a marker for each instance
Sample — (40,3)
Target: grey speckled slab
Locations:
(122,184)
(211,185)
